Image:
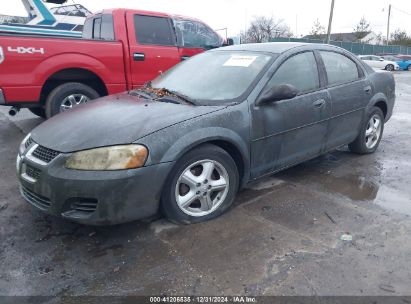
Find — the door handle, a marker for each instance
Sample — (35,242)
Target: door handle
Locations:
(319,103)
(367,89)
(139,56)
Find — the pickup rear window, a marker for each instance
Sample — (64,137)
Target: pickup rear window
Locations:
(100,27)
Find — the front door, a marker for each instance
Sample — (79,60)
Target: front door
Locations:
(153,48)
(287,132)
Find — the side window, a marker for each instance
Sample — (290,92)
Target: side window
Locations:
(340,69)
(300,71)
(195,34)
(154,30)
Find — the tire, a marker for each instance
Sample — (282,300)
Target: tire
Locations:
(71,93)
(366,144)
(409,68)
(193,165)
(38,111)
(389,67)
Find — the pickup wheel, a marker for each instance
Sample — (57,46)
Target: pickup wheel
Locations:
(40,112)
(67,96)
(370,134)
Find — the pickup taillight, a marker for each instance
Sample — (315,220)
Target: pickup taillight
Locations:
(1,55)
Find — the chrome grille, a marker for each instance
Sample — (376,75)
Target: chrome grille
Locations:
(35,199)
(33,172)
(45,154)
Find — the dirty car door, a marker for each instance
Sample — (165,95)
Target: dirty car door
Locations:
(350,91)
(290,131)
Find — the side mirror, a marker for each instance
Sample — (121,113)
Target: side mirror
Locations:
(277,93)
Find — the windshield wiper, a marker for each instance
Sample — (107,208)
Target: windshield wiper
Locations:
(178,95)
(140,93)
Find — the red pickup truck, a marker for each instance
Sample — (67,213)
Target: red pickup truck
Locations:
(120,50)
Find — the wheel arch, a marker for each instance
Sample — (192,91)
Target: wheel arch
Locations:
(80,75)
(379,101)
(226,139)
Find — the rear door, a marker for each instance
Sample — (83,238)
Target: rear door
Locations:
(153,47)
(350,92)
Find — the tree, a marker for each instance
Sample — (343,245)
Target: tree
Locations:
(262,29)
(362,29)
(317,30)
(400,37)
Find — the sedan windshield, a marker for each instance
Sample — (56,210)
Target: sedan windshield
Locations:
(214,76)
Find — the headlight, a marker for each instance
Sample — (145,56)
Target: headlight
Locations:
(109,158)
(22,147)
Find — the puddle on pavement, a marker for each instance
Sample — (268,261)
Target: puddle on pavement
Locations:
(357,188)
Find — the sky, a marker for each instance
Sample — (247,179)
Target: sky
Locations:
(237,14)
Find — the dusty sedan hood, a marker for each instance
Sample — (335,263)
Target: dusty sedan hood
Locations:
(113,120)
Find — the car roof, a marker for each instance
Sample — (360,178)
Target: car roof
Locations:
(279,47)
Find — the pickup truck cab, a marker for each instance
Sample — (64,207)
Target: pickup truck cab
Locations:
(120,50)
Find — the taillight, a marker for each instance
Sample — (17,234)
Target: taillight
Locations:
(1,55)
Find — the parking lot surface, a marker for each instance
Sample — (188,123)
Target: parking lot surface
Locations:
(289,234)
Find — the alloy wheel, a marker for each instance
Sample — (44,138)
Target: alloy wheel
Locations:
(72,101)
(202,188)
(373,131)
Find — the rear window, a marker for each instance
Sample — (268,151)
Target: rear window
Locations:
(99,28)
(154,30)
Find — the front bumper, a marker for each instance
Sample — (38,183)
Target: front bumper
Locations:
(90,197)
(2,98)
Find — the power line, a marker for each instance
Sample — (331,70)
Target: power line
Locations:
(402,11)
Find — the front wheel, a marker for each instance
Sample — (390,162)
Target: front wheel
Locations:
(202,186)
(409,68)
(67,96)
(370,134)
(389,67)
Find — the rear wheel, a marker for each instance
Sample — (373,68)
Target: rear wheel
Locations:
(389,67)
(370,134)
(202,186)
(67,96)
(38,111)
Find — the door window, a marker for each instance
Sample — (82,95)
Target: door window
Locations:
(154,30)
(196,35)
(300,71)
(340,69)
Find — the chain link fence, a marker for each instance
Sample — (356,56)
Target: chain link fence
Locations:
(356,48)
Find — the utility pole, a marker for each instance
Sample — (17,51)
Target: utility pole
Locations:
(330,21)
(388,25)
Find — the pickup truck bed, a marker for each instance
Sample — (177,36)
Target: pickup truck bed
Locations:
(120,50)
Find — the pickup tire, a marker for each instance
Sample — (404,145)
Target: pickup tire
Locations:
(40,112)
(71,94)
